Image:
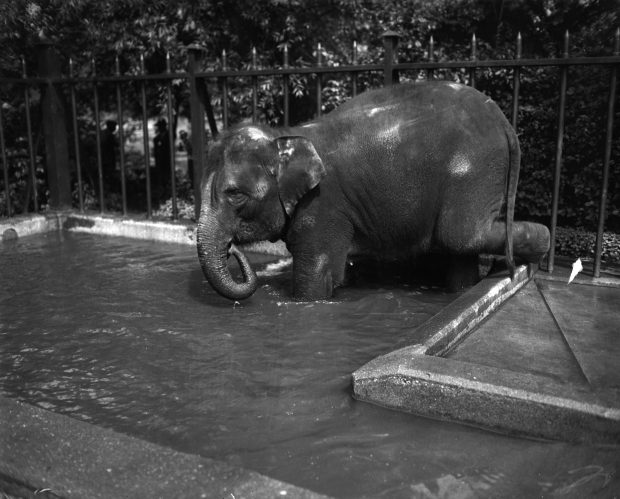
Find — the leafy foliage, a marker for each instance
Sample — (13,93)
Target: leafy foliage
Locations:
(88,30)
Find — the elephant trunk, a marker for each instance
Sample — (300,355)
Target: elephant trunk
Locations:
(214,245)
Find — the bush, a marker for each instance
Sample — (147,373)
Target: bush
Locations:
(579,243)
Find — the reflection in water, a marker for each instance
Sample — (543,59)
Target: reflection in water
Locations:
(127,335)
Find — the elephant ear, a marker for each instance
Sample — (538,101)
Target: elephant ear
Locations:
(300,169)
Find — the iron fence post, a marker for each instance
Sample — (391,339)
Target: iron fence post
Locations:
(224,91)
(430,75)
(145,140)
(354,90)
(285,87)
(390,42)
(516,82)
(558,157)
(474,57)
(5,165)
(54,128)
(197,112)
(121,136)
(76,139)
(254,88)
(611,104)
(31,151)
(319,80)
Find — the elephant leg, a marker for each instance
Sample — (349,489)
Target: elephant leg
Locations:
(462,272)
(315,275)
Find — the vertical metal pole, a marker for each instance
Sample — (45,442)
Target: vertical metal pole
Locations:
(224,91)
(121,137)
(558,156)
(254,88)
(285,84)
(431,57)
(390,42)
(319,81)
(145,135)
(516,82)
(472,71)
(173,187)
(355,64)
(611,104)
(98,137)
(33,175)
(197,107)
(76,139)
(54,127)
(5,165)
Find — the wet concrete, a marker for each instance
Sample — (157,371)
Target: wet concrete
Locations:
(44,451)
(543,365)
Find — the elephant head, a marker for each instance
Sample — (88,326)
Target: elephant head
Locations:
(250,188)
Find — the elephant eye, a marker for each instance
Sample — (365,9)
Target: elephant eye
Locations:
(236,196)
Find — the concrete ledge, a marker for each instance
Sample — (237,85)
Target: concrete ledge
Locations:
(28,225)
(454,322)
(495,399)
(417,379)
(42,450)
(181,232)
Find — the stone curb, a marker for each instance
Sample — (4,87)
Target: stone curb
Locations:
(44,451)
(496,399)
(181,232)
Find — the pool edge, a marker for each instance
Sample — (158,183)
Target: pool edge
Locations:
(42,450)
(167,231)
(419,380)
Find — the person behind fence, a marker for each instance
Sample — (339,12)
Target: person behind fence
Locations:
(108,154)
(161,145)
(187,146)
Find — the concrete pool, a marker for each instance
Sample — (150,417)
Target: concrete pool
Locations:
(147,369)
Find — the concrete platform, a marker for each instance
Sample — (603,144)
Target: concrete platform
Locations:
(544,365)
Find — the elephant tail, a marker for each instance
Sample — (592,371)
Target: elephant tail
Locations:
(512,179)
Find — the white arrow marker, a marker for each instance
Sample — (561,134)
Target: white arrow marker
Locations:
(577,267)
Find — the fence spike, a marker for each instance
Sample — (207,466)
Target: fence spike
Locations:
(254,58)
(566,43)
(286,56)
(473,46)
(431,49)
(319,55)
(93,66)
(354,51)
(519,45)
(617,42)
(168,67)
(142,63)
(117,65)
(70,67)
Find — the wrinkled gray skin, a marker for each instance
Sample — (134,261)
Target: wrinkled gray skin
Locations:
(412,169)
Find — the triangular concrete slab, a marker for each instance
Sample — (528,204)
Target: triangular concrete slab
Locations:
(523,337)
(588,318)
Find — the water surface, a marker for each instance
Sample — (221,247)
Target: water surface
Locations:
(127,335)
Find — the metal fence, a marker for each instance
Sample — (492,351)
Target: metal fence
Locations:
(63,142)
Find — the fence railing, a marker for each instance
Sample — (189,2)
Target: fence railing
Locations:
(58,99)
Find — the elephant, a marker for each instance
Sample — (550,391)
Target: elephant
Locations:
(410,169)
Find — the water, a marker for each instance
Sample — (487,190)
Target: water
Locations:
(125,334)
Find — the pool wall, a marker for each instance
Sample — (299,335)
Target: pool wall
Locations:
(43,450)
